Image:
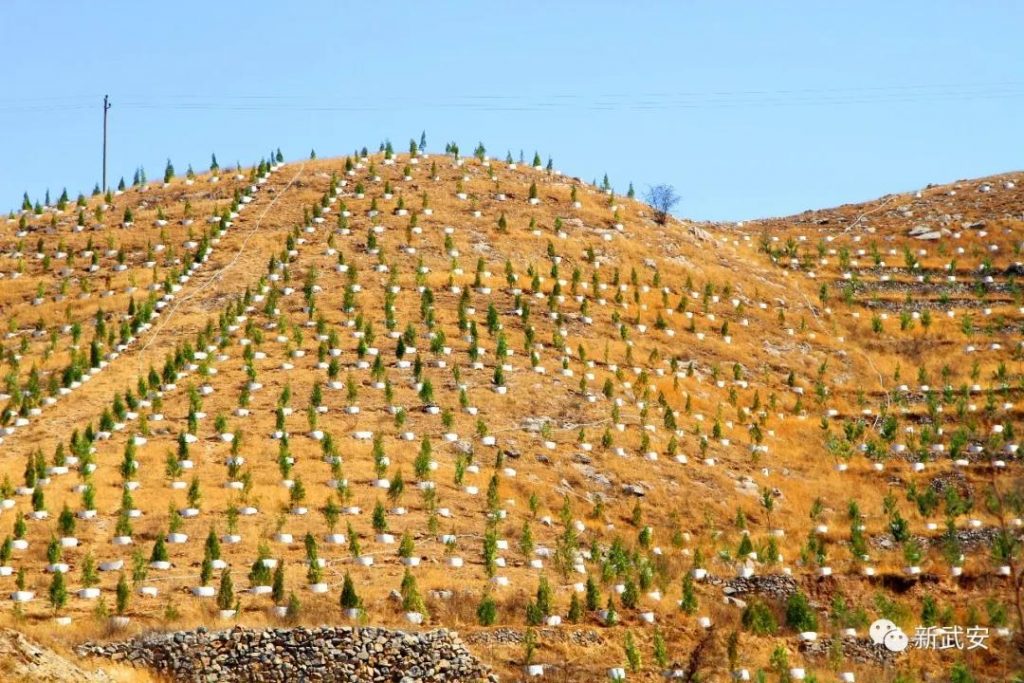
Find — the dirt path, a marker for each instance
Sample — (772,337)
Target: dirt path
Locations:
(234,264)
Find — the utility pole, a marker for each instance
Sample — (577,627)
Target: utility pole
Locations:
(106,107)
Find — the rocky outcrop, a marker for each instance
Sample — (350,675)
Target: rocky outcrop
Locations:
(299,654)
(21,659)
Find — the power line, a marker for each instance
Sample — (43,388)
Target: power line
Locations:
(639,101)
(580,104)
(894,87)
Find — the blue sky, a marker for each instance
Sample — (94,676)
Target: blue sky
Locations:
(748,109)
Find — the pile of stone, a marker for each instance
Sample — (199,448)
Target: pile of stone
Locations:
(954,479)
(775,586)
(970,539)
(299,654)
(887,541)
(511,636)
(857,650)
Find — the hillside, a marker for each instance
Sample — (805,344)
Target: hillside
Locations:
(425,388)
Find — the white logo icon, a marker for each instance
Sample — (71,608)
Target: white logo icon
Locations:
(884,632)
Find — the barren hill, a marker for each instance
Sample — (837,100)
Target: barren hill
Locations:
(412,389)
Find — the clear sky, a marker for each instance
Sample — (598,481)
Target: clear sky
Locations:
(748,108)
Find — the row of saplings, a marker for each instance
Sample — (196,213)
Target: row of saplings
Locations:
(286,603)
(758,617)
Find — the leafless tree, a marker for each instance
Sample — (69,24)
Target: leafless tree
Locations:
(662,198)
(1007,546)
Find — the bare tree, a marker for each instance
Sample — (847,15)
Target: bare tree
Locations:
(661,198)
(1007,545)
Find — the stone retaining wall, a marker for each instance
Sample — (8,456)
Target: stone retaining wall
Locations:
(299,654)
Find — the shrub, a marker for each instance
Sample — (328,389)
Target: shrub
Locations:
(406,547)
(544,595)
(206,571)
(487,611)
(759,619)
(53,551)
(799,614)
(593,599)
(891,609)
(575,609)
(526,544)
(293,608)
(929,611)
(630,594)
(960,674)
(380,522)
(411,599)
(89,576)
(159,550)
(123,593)
(212,546)
(529,645)
(534,615)
(611,616)
(660,649)
(58,591)
(632,653)
(226,591)
(779,661)
(349,597)
(66,522)
(277,588)
(688,603)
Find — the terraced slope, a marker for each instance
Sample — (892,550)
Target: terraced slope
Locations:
(462,383)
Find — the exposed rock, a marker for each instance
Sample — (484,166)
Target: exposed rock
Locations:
(581,458)
(700,233)
(22,659)
(924,232)
(634,490)
(534,424)
(593,475)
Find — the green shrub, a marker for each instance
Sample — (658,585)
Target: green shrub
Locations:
(759,619)
(799,614)
(349,598)
(487,611)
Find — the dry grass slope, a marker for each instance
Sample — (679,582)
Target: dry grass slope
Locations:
(293,374)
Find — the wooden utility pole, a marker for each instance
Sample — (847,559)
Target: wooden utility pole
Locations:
(106,107)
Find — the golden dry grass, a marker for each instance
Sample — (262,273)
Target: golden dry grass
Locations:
(776,324)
